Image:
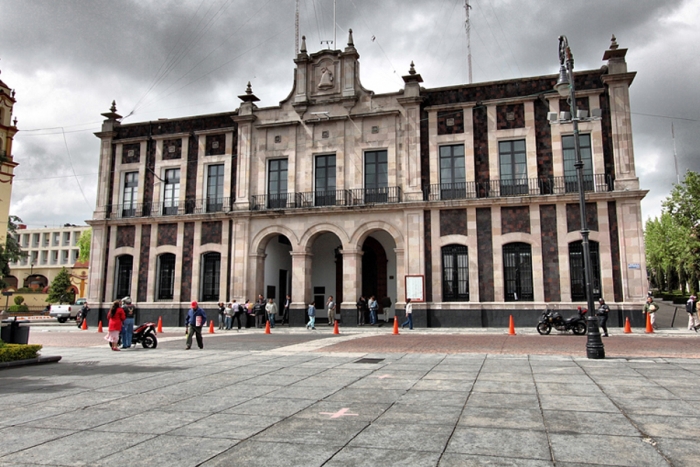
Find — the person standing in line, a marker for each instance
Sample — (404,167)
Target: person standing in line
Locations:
(285,309)
(228,316)
(650,307)
(237,311)
(259,309)
(249,318)
(222,314)
(373,308)
(330,305)
(271,310)
(196,318)
(361,307)
(690,307)
(409,315)
(128,325)
(312,317)
(602,314)
(116,317)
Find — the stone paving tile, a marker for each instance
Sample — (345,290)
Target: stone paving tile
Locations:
(433,398)
(604,449)
(223,425)
(367,457)
(171,451)
(363,411)
(503,400)
(578,403)
(467,375)
(503,442)
(362,395)
(277,407)
(656,407)
(462,460)
(80,448)
(412,437)
(681,452)
(502,417)
(320,431)
(253,453)
(19,438)
(569,389)
(512,387)
(19,414)
(85,419)
(400,414)
(658,426)
(152,422)
(306,392)
(564,421)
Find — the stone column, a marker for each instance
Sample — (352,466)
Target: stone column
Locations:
(352,285)
(301,287)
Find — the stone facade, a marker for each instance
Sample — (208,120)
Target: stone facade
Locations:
(340,191)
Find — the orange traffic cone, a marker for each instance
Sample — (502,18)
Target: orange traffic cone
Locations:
(267,327)
(511,327)
(211,326)
(628,328)
(335,328)
(99,326)
(650,329)
(84,325)
(396,325)
(160,325)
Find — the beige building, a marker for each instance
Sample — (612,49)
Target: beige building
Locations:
(463,198)
(8,129)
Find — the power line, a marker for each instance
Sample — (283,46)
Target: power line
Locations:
(70,162)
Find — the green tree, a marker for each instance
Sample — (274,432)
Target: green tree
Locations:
(84,245)
(11,251)
(60,289)
(684,206)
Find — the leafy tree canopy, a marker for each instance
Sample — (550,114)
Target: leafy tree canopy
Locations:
(11,251)
(60,289)
(84,245)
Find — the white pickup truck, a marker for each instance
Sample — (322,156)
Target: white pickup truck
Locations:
(63,312)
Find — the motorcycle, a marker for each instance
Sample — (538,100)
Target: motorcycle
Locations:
(145,335)
(553,319)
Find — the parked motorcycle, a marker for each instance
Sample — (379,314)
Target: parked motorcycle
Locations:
(553,319)
(145,335)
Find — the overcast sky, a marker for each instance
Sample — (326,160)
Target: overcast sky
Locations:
(67,61)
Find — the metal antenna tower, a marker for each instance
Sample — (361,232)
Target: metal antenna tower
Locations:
(467,26)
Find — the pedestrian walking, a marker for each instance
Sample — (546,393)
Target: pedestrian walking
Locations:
(285,309)
(373,308)
(361,306)
(650,307)
(330,305)
(691,308)
(128,324)
(228,316)
(312,317)
(196,318)
(238,311)
(602,314)
(409,315)
(271,310)
(116,317)
(259,310)
(222,314)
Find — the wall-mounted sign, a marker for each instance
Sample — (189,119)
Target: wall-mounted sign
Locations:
(634,266)
(415,288)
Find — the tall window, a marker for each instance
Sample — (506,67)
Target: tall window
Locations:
(513,164)
(577,270)
(211,270)
(376,177)
(325,180)
(171,194)
(129,196)
(125,265)
(570,176)
(455,273)
(517,272)
(166,276)
(452,174)
(215,188)
(277,184)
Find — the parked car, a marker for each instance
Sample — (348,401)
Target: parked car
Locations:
(80,302)
(63,312)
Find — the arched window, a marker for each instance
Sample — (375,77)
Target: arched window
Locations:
(455,273)
(517,272)
(577,271)
(166,276)
(211,273)
(125,265)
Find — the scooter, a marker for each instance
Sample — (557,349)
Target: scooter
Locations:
(553,319)
(145,335)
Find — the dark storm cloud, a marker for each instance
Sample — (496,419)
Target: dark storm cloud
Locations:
(68,60)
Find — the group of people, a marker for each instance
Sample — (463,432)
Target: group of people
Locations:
(252,314)
(121,316)
(365,307)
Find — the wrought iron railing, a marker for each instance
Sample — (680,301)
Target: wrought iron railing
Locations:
(188,206)
(309,199)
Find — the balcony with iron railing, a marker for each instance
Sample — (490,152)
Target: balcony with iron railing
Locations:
(325,198)
(188,206)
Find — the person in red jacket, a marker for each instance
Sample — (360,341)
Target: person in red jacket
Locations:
(116,317)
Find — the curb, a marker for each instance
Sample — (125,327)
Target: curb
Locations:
(30,361)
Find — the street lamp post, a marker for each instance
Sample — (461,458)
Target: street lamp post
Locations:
(565,87)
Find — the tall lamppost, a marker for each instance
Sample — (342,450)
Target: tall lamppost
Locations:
(565,87)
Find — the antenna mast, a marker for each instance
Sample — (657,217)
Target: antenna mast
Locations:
(467,26)
(296,30)
(675,156)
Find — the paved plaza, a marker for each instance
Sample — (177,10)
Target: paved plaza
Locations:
(296,398)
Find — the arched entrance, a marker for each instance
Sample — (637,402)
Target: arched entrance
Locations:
(326,273)
(379,271)
(278,269)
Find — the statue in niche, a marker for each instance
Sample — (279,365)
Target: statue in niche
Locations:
(326,79)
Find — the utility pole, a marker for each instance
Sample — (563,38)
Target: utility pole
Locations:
(296,30)
(675,156)
(467,26)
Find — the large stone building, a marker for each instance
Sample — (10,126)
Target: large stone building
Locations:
(462,196)
(8,130)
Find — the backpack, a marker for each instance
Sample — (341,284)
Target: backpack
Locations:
(690,307)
